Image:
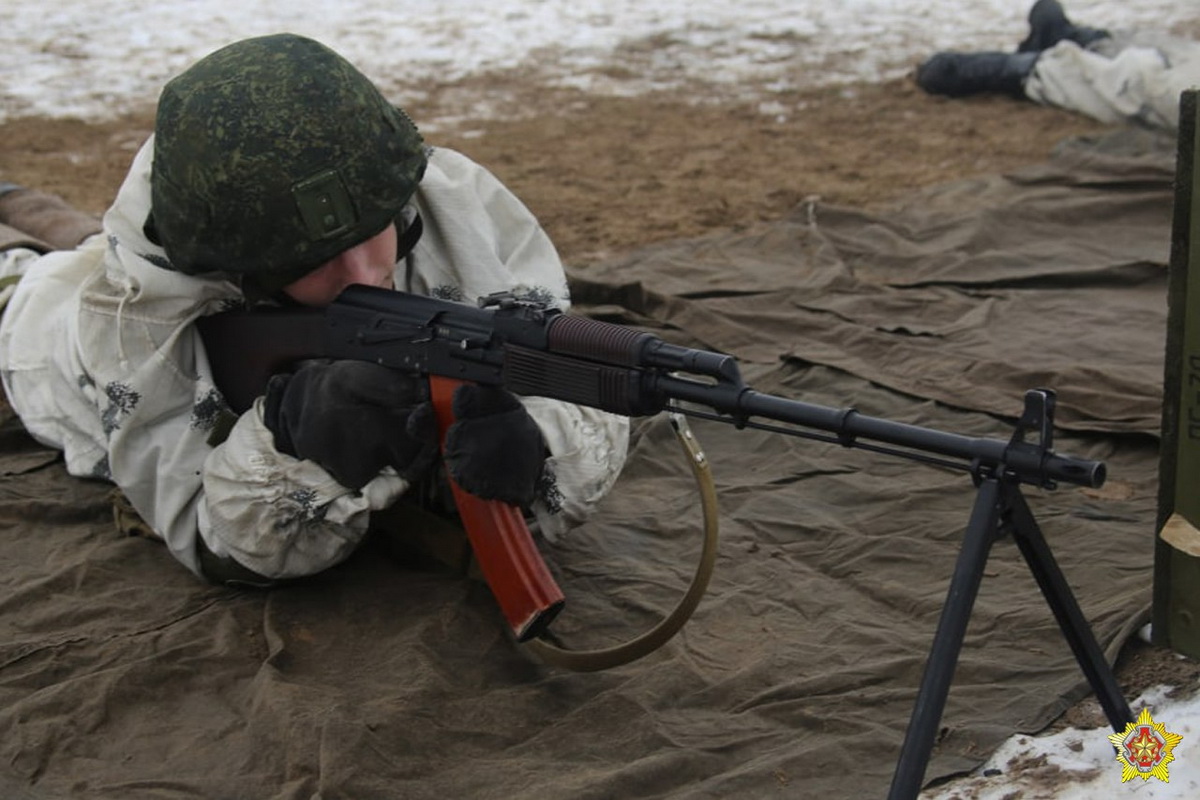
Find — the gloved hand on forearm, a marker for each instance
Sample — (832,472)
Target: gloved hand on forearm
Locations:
(494,449)
(353,418)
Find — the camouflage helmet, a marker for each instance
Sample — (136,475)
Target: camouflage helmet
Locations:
(272,156)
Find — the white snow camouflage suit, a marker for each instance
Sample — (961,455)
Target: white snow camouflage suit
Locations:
(99,357)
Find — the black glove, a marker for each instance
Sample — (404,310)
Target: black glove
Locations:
(494,449)
(353,418)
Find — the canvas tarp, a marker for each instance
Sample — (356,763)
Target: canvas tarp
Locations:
(123,677)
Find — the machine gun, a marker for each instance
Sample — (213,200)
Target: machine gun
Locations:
(532,350)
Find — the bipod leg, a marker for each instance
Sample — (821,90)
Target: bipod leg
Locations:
(983,530)
(1075,628)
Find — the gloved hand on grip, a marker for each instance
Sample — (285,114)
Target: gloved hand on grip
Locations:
(494,449)
(353,418)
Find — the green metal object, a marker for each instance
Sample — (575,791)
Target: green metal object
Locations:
(1176,616)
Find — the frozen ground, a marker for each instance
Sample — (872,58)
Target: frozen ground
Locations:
(96,58)
(1077,764)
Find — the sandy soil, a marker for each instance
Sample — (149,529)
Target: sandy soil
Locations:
(607,175)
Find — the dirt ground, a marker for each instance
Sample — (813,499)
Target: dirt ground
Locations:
(609,174)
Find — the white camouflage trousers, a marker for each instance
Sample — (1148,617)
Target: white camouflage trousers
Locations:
(1130,77)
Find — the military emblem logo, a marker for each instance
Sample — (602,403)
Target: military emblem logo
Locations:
(1145,748)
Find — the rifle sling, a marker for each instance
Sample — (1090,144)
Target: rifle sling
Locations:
(660,634)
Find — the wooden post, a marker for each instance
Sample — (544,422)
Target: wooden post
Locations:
(1176,615)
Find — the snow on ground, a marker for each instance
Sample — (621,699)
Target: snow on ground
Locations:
(94,59)
(1077,764)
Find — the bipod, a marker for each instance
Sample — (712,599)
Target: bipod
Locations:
(1000,509)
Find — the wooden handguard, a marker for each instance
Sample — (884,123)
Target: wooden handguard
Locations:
(523,587)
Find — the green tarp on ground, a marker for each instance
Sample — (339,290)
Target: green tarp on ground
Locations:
(122,677)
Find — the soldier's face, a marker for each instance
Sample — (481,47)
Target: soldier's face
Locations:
(370,263)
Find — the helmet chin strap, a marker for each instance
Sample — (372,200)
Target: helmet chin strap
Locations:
(409,237)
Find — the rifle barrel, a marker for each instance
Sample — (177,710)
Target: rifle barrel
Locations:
(1031,463)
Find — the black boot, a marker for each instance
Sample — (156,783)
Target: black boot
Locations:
(962,74)
(1048,25)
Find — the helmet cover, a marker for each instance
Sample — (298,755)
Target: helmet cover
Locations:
(273,155)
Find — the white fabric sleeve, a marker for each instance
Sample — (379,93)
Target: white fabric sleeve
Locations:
(279,516)
(587,451)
